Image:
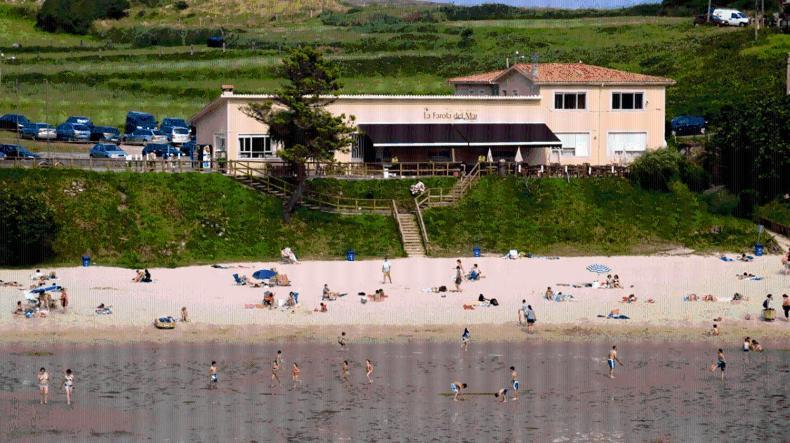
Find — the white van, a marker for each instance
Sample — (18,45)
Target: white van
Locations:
(731,17)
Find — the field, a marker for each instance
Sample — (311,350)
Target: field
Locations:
(160,63)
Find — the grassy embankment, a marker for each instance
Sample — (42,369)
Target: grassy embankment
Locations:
(177,219)
(777,211)
(374,57)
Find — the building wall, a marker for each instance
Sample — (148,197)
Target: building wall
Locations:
(514,83)
(212,123)
(474,89)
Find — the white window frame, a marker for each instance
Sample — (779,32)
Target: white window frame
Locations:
(620,109)
(563,93)
(220,142)
(356,149)
(625,155)
(247,152)
(571,152)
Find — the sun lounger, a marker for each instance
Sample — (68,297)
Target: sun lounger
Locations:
(238,280)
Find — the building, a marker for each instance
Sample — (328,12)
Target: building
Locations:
(549,113)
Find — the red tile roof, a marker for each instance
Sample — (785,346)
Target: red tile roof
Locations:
(569,74)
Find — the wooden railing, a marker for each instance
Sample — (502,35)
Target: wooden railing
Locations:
(397,218)
(424,232)
(347,169)
(553,170)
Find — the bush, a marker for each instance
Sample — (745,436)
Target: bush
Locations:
(28,229)
(720,201)
(76,16)
(656,170)
(693,175)
(181,5)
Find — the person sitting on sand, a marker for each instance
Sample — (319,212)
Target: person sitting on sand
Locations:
(322,308)
(744,276)
(378,295)
(616,282)
(268,299)
(184,314)
(549,294)
(737,298)
(146,277)
(138,276)
(715,330)
(756,347)
(19,309)
(291,302)
(104,309)
(475,273)
(36,275)
(327,294)
(786,263)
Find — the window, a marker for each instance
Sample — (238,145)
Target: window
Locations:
(570,100)
(627,100)
(356,147)
(255,146)
(219,142)
(515,92)
(575,144)
(626,145)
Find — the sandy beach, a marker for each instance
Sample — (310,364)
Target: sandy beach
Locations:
(217,306)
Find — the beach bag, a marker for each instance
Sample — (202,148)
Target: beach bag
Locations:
(494,302)
(442,288)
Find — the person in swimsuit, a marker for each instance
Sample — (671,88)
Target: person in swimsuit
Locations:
(501,395)
(465,338)
(721,363)
(280,358)
(756,347)
(275,373)
(344,372)
(342,341)
(514,382)
(715,331)
(295,373)
(369,370)
(68,385)
(611,359)
(43,385)
(64,300)
(457,388)
(459,278)
(213,376)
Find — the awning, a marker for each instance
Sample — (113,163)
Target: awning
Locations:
(462,134)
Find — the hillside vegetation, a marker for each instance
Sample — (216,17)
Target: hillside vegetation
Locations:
(174,219)
(586,216)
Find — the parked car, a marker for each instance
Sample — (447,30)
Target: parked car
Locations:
(13,122)
(162,150)
(2,155)
(143,136)
(16,151)
(215,41)
(188,149)
(106,150)
(38,131)
(177,135)
(172,122)
(688,125)
(79,120)
(702,19)
(731,17)
(105,134)
(73,132)
(139,120)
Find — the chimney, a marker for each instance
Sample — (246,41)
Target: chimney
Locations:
(227,90)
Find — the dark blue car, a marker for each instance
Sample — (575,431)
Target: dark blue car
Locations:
(688,125)
(161,150)
(105,134)
(16,151)
(13,122)
(80,120)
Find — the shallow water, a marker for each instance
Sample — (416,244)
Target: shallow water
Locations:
(159,392)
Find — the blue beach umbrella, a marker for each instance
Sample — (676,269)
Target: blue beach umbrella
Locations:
(599,268)
(264,274)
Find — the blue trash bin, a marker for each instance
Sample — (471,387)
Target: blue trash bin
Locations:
(351,255)
(476,251)
(758,250)
(86,261)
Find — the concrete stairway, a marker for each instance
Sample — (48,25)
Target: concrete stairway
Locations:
(410,235)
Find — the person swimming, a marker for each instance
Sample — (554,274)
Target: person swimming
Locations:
(457,388)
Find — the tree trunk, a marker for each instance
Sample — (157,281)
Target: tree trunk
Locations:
(296,197)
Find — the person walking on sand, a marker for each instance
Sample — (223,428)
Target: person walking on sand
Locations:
(611,359)
(721,363)
(345,372)
(68,385)
(279,357)
(184,315)
(369,370)
(213,376)
(342,341)
(385,270)
(275,373)
(457,388)
(522,312)
(514,382)
(465,338)
(295,373)
(786,306)
(459,278)
(43,385)
(531,319)
(64,300)
(460,265)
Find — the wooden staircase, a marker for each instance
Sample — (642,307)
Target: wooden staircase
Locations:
(410,235)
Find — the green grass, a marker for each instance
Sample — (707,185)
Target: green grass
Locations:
(174,219)
(379,189)
(776,211)
(587,216)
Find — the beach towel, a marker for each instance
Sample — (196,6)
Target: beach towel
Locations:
(615,317)
(562,297)
(104,311)
(726,259)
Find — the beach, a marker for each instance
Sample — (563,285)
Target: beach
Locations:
(410,311)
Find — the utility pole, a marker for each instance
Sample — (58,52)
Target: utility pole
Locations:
(709,11)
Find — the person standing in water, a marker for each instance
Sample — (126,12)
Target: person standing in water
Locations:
(68,385)
(342,341)
(213,375)
(369,370)
(43,385)
(611,359)
(295,373)
(465,338)
(457,388)
(344,372)
(721,363)
(275,372)
(514,382)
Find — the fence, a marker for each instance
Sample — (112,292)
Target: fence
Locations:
(106,164)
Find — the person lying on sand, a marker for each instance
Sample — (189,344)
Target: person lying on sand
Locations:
(104,309)
(321,308)
(549,294)
(19,309)
(13,284)
(691,297)
(744,276)
(709,297)
(745,258)
(629,299)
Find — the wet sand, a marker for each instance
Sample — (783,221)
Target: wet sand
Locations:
(664,392)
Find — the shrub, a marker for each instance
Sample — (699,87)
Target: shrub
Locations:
(28,229)
(181,5)
(656,170)
(76,16)
(720,201)
(693,175)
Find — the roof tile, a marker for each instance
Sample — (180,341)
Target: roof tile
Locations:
(568,73)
